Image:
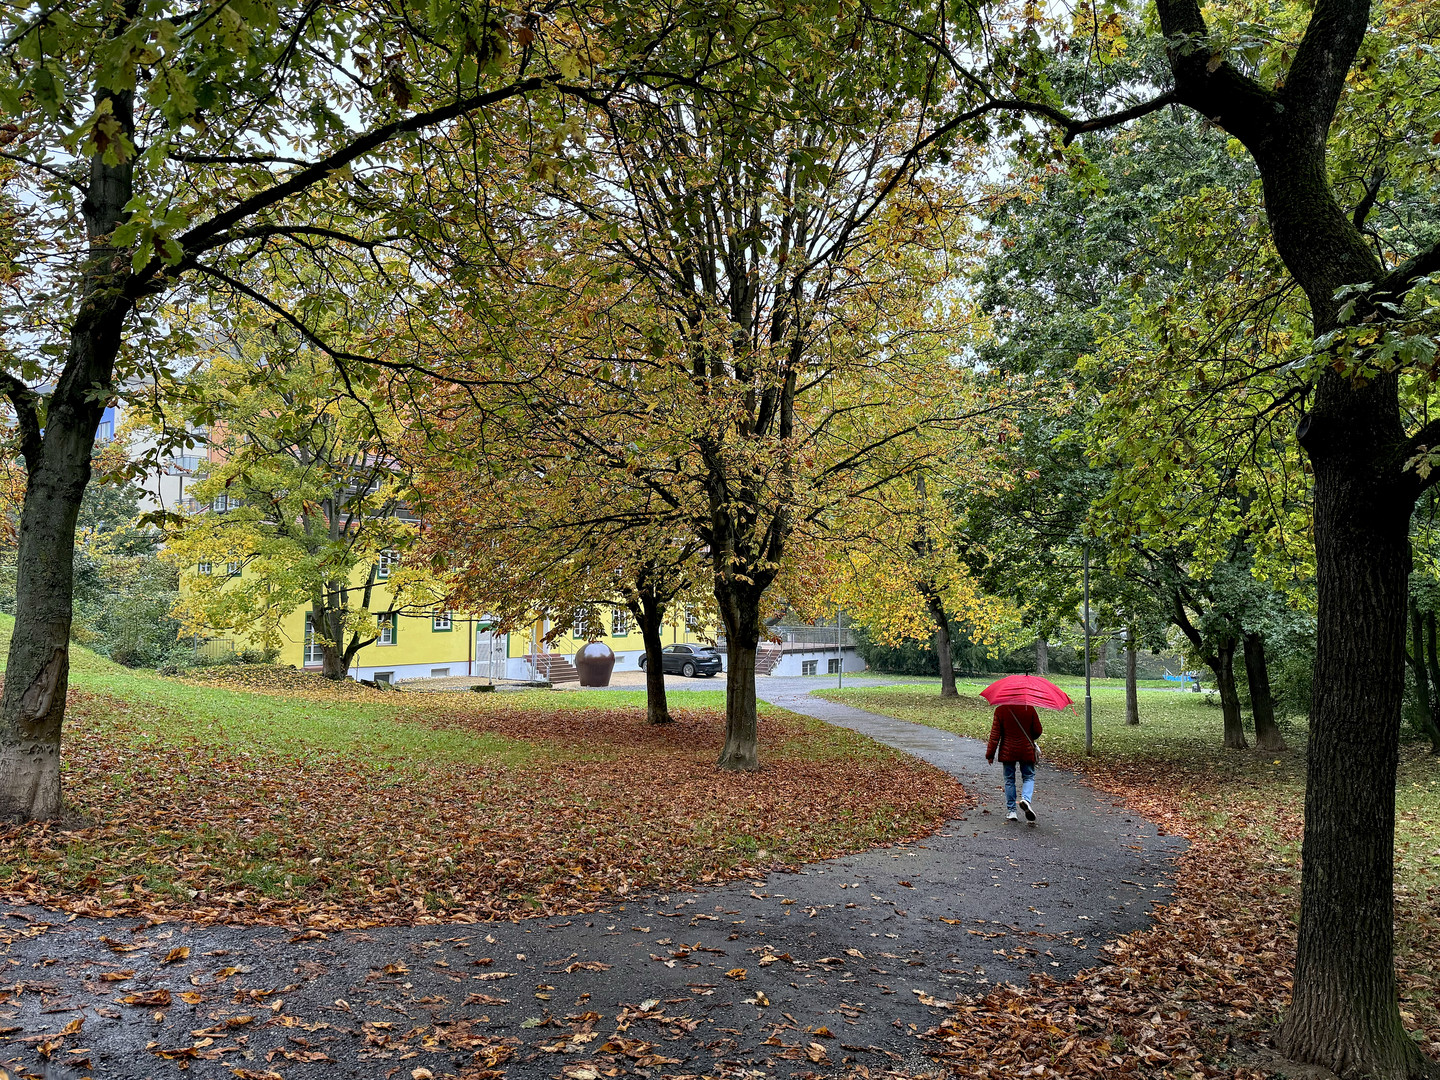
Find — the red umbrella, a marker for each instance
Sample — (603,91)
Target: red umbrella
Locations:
(1026,690)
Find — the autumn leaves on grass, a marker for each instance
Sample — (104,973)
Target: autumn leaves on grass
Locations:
(601,806)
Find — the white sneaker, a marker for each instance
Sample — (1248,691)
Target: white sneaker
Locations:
(1025,805)
(1012,816)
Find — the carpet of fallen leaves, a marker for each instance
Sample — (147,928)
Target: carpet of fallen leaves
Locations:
(1198,993)
(167,826)
(274,678)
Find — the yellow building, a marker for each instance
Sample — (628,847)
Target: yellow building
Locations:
(445,644)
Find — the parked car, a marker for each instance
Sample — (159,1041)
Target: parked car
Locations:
(689,660)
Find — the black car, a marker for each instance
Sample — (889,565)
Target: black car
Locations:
(689,660)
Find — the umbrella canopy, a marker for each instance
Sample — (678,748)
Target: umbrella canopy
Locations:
(1026,690)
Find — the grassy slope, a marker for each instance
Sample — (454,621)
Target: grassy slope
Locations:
(354,805)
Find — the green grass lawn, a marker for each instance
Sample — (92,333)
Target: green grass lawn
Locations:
(217,799)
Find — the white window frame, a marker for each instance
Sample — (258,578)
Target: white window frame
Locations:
(832,666)
(442,621)
(385,624)
(232,568)
(385,562)
(203,568)
(619,622)
(809,667)
(314,655)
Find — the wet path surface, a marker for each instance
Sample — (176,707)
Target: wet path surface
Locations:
(803,973)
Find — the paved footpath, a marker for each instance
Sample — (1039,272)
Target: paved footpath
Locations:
(839,960)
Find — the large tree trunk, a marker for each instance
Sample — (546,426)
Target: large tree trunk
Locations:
(1224,668)
(942,643)
(1042,655)
(650,614)
(37,674)
(58,465)
(1262,705)
(740,609)
(1344,1014)
(1132,693)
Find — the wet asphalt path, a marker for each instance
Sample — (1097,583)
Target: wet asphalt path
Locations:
(839,960)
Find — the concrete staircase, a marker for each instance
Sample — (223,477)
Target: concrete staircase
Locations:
(555,668)
(767,656)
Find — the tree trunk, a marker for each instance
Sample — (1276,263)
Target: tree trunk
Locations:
(1224,667)
(37,675)
(740,609)
(1344,1014)
(1262,704)
(942,643)
(651,617)
(1042,655)
(57,461)
(1432,661)
(1424,669)
(1101,651)
(1132,694)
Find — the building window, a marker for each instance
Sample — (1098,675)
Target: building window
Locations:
(386,623)
(106,431)
(808,667)
(220,503)
(232,569)
(692,619)
(833,665)
(439,672)
(619,622)
(385,563)
(202,568)
(384,677)
(314,651)
(441,622)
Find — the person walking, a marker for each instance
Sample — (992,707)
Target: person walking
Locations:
(1013,734)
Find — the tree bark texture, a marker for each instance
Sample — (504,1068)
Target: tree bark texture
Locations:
(651,617)
(740,609)
(1224,668)
(1262,703)
(1042,655)
(1344,1015)
(936,606)
(1132,693)
(57,461)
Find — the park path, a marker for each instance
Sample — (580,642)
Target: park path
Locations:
(863,943)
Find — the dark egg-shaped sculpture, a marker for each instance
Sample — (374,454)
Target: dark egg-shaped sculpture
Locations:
(595,662)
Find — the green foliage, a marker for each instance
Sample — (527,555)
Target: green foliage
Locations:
(911,657)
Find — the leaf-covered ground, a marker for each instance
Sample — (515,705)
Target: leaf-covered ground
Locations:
(324,807)
(1200,992)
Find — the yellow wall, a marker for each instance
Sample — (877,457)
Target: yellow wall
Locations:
(419,643)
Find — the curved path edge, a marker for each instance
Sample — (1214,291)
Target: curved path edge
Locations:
(864,942)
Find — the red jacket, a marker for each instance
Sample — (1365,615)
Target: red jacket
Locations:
(1013,733)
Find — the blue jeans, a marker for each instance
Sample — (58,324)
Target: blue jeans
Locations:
(1027,782)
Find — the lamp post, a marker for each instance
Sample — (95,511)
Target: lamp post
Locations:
(839,652)
(1089,734)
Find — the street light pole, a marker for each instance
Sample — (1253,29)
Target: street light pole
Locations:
(839,651)
(1089,733)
